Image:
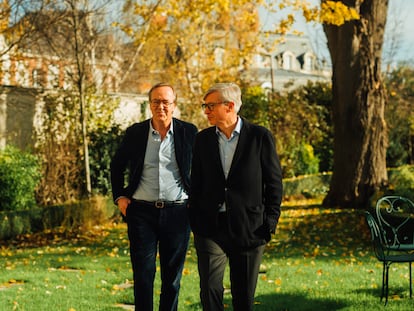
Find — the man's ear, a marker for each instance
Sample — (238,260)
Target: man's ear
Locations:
(230,105)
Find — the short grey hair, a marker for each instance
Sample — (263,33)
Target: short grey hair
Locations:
(161,84)
(229,92)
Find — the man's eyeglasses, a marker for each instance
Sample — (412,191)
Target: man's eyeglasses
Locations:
(159,102)
(210,106)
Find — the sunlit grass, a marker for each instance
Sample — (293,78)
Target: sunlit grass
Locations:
(320,259)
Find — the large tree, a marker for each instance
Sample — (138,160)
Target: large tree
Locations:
(360,137)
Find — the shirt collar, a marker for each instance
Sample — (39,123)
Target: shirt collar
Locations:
(236,130)
(170,131)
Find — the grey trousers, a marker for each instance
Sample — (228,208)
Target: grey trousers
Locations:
(213,255)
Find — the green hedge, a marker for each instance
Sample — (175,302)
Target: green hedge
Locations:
(401,182)
(19,177)
(308,186)
(73,216)
(14,223)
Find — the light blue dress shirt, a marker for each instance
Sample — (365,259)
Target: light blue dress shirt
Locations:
(227,147)
(161,179)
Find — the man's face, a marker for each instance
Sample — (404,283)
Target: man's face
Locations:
(216,110)
(162,104)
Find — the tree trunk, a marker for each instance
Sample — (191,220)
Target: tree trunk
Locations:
(360,138)
(85,146)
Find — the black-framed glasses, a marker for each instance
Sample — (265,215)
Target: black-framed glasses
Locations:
(210,106)
(159,102)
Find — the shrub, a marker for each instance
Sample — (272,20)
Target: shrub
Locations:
(19,176)
(305,160)
(309,186)
(103,144)
(399,116)
(87,213)
(4,227)
(401,181)
(404,179)
(302,115)
(19,225)
(58,145)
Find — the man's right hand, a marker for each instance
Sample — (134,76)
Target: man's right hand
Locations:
(123,205)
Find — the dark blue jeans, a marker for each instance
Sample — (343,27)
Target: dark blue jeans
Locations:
(166,230)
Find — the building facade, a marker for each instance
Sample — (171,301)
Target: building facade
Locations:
(291,62)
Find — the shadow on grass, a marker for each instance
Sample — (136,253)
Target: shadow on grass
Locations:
(335,232)
(296,302)
(285,302)
(395,293)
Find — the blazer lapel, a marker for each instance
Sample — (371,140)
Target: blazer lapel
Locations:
(178,139)
(241,146)
(142,136)
(212,147)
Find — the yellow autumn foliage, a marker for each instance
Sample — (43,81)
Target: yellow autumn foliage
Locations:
(336,13)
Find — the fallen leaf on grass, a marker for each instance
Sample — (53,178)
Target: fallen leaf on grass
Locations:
(122,286)
(10,283)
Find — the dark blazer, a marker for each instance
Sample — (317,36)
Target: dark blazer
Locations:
(130,155)
(252,191)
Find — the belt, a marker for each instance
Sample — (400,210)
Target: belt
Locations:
(160,203)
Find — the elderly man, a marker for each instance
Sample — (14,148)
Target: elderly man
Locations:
(236,192)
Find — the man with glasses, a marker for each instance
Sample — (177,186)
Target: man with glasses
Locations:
(236,192)
(156,154)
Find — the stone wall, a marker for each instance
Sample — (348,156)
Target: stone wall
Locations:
(19,109)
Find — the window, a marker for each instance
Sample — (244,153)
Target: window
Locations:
(22,75)
(37,78)
(53,76)
(309,64)
(287,62)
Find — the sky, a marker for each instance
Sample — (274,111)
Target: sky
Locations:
(400,26)
(401,12)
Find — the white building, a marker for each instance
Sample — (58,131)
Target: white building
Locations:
(290,63)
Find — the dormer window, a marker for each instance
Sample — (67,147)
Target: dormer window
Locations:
(309,64)
(288,61)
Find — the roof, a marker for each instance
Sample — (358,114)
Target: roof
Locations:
(277,44)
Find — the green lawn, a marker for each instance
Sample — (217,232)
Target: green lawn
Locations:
(320,259)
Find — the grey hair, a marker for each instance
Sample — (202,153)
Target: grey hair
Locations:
(161,84)
(229,92)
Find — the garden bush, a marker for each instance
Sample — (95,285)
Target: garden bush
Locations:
(401,182)
(307,186)
(79,216)
(19,176)
(87,213)
(305,160)
(103,143)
